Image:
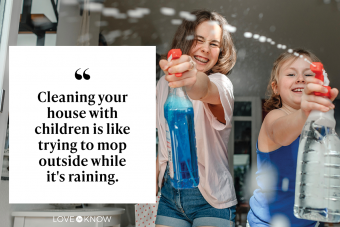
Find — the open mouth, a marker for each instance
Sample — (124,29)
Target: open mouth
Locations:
(299,89)
(201,59)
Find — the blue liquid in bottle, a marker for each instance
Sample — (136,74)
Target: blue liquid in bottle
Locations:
(181,141)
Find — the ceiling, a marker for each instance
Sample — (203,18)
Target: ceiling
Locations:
(310,24)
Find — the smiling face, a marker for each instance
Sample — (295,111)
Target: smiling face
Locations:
(291,81)
(206,50)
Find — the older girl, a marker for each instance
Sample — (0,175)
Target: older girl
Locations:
(208,55)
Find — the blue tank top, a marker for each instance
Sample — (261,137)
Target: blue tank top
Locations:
(275,193)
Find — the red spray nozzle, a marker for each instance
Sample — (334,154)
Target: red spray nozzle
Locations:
(175,54)
(317,68)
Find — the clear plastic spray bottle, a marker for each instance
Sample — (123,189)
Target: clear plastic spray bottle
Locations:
(180,135)
(317,189)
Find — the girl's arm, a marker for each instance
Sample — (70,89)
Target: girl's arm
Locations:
(282,129)
(204,90)
(197,84)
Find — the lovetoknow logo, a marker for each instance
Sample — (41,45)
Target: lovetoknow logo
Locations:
(79,219)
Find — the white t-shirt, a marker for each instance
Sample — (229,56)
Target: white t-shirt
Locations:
(216,183)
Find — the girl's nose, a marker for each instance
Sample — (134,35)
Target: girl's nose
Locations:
(205,47)
(300,78)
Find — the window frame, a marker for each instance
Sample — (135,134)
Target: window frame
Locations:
(9,37)
(256,121)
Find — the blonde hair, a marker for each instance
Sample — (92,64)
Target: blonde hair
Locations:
(274,101)
(227,56)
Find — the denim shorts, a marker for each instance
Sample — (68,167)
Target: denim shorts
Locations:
(187,207)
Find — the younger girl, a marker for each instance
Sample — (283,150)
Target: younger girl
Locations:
(291,100)
(208,55)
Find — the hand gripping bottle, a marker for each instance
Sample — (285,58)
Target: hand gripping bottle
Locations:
(317,189)
(180,135)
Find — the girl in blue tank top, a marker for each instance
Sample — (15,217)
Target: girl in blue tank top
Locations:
(291,100)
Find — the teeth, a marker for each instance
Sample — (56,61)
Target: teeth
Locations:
(298,89)
(201,59)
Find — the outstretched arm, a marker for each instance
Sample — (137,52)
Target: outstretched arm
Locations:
(197,84)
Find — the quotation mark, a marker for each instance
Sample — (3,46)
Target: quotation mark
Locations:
(85,76)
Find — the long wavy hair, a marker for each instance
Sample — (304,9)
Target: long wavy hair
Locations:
(274,100)
(181,40)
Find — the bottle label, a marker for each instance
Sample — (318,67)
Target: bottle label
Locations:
(168,145)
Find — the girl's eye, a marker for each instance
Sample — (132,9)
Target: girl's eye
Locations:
(290,75)
(200,41)
(309,75)
(213,44)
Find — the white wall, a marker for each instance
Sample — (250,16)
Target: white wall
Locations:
(6,209)
(70,22)
(43,7)
(31,40)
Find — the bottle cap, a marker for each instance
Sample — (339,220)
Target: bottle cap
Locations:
(175,54)
(317,68)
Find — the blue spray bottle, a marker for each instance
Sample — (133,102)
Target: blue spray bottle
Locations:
(180,135)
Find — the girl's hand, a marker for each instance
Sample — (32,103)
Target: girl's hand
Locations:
(310,102)
(184,65)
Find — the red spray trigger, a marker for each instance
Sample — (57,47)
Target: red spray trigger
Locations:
(174,54)
(318,69)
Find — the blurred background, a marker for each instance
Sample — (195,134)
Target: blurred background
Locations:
(261,30)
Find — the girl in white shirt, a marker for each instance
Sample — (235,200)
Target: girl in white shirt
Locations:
(208,55)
